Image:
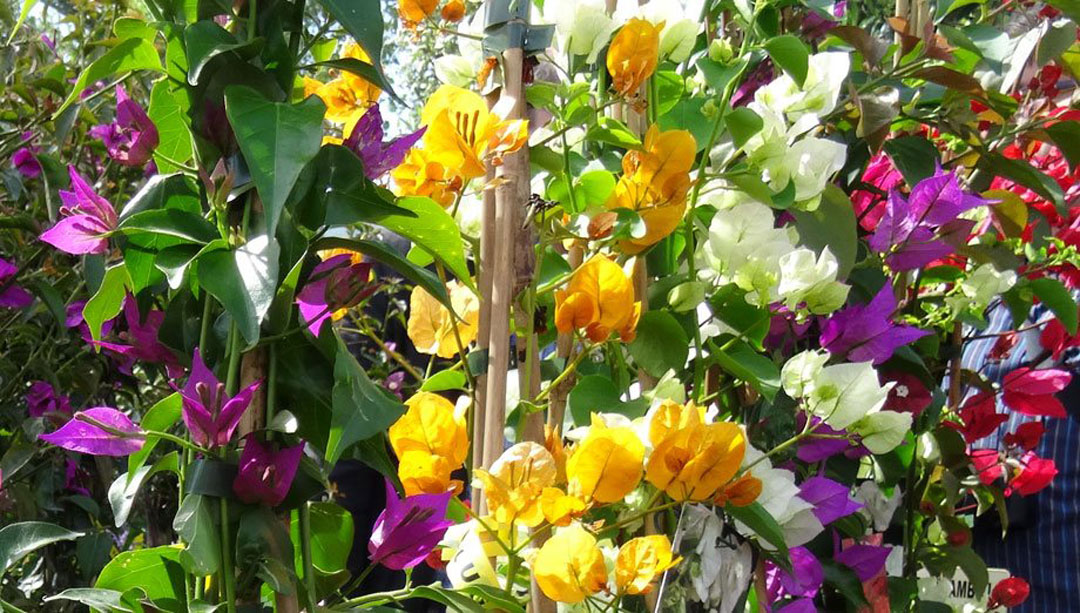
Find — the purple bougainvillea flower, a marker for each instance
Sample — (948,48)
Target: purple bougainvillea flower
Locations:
(87,218)
(12,296)
(75,477)
(395,382)
(758,77)
(74,319)
(803,582)
(48,42)
(866,332)
(265,475)
(141,339)
(799,605)
(84,433)
(41,398)
(830,499)
(366,141)
(25,161)
(210,414)
(131,138)
(408,530)
(336,283)
(866,560)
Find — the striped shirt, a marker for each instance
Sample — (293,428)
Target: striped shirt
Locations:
(1042,544)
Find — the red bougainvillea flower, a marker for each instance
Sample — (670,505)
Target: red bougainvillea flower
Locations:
(1031,392)
(87,218)
(12,296)
(987,465)
(98,431)
(132,137)
(265,474)
(1008,593)
(211,415)
(1003,346)
(979,416)
(1055,339)
(881,176)
(1027,435)
(908,395)
(408,530)
(1035,474)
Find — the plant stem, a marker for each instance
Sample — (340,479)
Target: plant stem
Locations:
(564,374)
(271,384)
(7,606)
(305,551)
(228,576)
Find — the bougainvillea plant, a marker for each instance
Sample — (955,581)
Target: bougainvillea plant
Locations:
(660,306)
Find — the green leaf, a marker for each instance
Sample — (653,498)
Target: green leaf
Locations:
(331,536)
(687,115)
(744,363)
(174,223)
(197,525)
(361,409)
(125,488)
(1026,175)
(156,571)
(444,380)
(915,157)
(613,132)
(169,105)
(670,88)
(108,300)
(18,540)
(597,394)
(661,344)
(758,519)
(832,224)
(751,322)
(790,54)
(381,253)
(206,40)
(164,191)
(24,12)
(845,581)
(98,599)
(277,139)
(162,416)
(131,54)
(1057,298)
(364,20)
(1066,135)
(593,188)
(428,225)
(718,75)
(743,124)
(361,69)
(244,281)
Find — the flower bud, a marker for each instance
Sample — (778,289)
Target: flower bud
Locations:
(720,50)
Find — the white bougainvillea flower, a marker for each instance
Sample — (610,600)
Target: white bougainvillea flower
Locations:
(801,371)
(809,164)
(810,279)
(583,26)
(843,394)
(882,431)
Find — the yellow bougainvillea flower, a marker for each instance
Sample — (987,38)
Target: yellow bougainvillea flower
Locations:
(560,508)
(453,11)
(599,300)
(431,325)
(606,465)
(419,175)
(462,133)
(413,12)
(633,54)
(670,416)
(640,561)
(570,567)
(554,444)
(311,86)
(430,440)
(740,492)
(692,462)
(514,483)
(655,183)
(348,96)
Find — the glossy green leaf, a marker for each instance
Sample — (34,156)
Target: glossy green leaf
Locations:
(125,488)
(164,191)
(108,300)
(1026,175)
(380,252)
(169,105)
(364,20)
(331,536)
(758,519)
(832,224)
(18,540)
(155,570)
(915,157)
(660,345)
(443,381)
(206,40)
(613,132)
(1066,135)
(363,70)
(1058,299)
(755,369)
(428,225)
(97,599)
(743,124)
(361,409)
(129,55)
(790,54)
(162,416)
(277,139)
(244,280)
(197,525)
(174,223)
(598,394)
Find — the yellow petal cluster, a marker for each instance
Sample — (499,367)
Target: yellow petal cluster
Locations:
(570,567)
(633,54)
(431,441)
(740,492)
(560,508)
(599,300)
(514,484)
(640,561)
(431,325)
(462,134)
(348,96)
(654,183)
(691,459)
(606,465)
(414,12)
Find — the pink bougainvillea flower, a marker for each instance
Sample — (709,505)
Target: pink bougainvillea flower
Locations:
(41,399)
(1008,593)
(131,138)
(98,431)
(865,560)
(866,332)
(74,319)
(908,395)
(1027,435)
(1056,339)
(141,340)
(881,177)
(265,475)
(1034,475)
(379,156)
(987,465)
(25,161)
(803,582)
(87,218)
(210,414)
(830,499)
(980,417)
(408,530)
(12,296)
(1031,392)
(75,477)
(334,284)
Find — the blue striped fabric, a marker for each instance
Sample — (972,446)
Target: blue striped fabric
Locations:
(1043,544)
